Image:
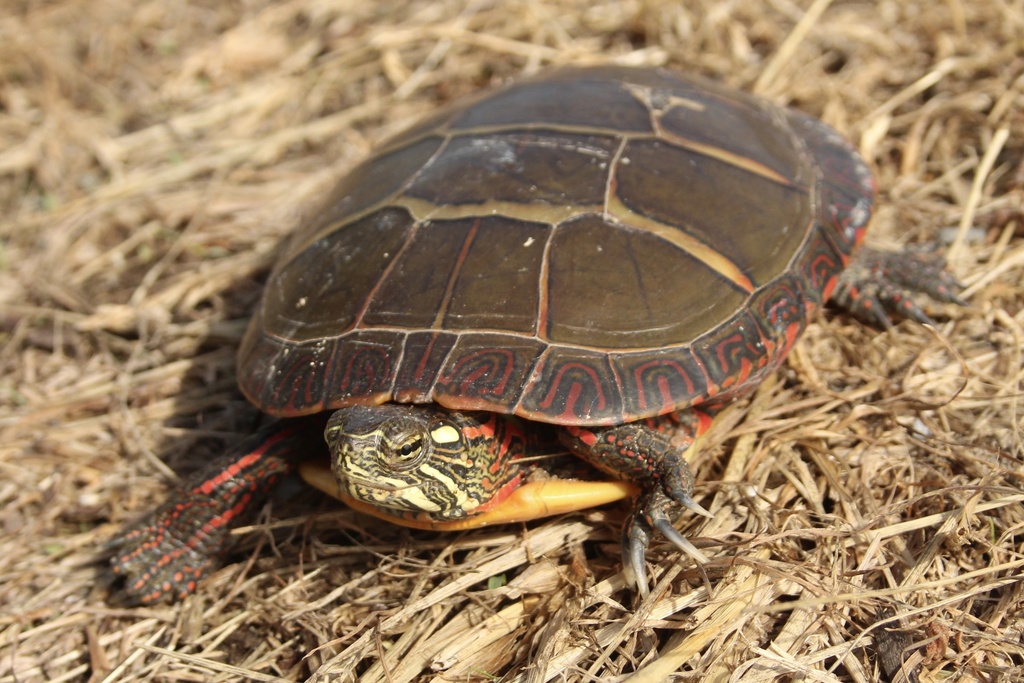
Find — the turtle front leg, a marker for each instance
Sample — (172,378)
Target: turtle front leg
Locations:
(164,555)
(642,454)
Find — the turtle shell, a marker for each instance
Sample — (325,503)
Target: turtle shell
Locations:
(592,246)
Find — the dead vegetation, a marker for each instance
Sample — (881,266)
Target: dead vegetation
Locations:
(867,501)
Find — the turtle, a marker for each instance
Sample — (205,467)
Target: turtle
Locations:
(595,260)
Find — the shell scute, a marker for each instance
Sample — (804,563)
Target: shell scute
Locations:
(487,371)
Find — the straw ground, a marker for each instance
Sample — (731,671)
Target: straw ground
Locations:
(867,501)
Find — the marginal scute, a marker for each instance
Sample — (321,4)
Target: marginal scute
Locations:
(818,264)
(660,380)
(734,355)
(285,379)
(573,386)
(781,309)
(363,368)
(422,361)
(487,371)
(846,190)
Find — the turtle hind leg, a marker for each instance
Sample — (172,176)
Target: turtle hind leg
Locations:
(641,454)
(164,555)
(879,284)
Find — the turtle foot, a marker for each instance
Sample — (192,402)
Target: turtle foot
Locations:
(163,556)
(642,454)
(879,284)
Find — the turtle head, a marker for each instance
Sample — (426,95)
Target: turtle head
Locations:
(401,459)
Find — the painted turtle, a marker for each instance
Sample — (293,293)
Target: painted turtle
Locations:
(614,251)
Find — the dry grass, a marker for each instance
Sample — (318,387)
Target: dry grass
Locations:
(153,153)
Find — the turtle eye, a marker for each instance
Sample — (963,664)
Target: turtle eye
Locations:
(410,449)
(402,444)
(407,452)
(331,432)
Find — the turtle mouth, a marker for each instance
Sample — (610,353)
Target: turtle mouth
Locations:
(353,482)
(420,497)
(359,486)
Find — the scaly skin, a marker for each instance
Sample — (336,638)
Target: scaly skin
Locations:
(165,554)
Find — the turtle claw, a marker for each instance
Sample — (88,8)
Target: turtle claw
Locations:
(635,539)
(652,514)
(680,541)
(695,507)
